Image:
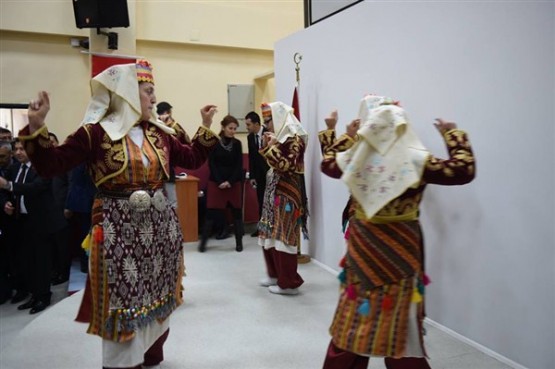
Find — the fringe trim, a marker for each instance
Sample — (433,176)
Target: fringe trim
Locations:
(122,321)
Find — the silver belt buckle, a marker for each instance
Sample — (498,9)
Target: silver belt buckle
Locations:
(159,200)
(139,201)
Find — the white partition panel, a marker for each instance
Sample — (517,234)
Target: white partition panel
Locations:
(490,67)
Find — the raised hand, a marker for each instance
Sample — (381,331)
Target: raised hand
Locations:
(207,113)
(37,111)
(331,120)
(352,128)
(443,126)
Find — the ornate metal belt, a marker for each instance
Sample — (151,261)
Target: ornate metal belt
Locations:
(141,200)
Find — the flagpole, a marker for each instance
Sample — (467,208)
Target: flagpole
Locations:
(297,58)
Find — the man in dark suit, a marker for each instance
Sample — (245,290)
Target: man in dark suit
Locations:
(6,228)
(257,164)
(36,220)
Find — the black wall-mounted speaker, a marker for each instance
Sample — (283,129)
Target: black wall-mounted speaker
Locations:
(100,13)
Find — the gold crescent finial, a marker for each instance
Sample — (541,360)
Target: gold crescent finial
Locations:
(297,58)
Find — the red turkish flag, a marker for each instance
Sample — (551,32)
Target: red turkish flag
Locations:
(295,104)
(100,63)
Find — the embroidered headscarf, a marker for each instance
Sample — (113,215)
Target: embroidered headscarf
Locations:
(286,123)
(115,101)
(387,159)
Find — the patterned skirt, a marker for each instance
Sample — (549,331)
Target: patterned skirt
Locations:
(380,309)
(136,267)
(283,211)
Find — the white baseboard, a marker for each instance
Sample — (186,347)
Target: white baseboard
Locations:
(325,267)
(450,332)
(474,344)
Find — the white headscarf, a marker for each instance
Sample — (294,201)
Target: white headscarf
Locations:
(386,160)
(286,123)
(115,102)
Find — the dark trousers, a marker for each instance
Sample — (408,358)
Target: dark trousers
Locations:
(61,260)
(34,260)
(337,358)
(5,282)
(154,355)
(283,267)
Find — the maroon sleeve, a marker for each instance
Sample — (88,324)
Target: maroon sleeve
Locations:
(50,161)
(194,155)
(459,169)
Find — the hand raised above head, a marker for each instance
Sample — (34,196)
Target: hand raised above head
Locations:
(444,126)
(207,113)
(331,120)
(352,128)
(37,111)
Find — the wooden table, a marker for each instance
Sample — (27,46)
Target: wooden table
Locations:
(186,190)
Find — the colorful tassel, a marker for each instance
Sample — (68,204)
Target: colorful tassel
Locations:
(86,244)
(426,280)
(387,302)
(288,207)
(420,287)
(98,234)
(364,308)
(347,234)
(342,276)
(276,201)
(343,262)
(345,225)
(351,292)
(416,297)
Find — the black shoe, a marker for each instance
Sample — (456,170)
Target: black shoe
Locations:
(254,234)
(39,306)
(239,246)
(19,296)
(59,280)
(28,305)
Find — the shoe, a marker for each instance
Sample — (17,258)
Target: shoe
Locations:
(267,282)
(19,296)
(239,246)
(254,234)
(283,291)
(59,280)
(39,306)
(28,305)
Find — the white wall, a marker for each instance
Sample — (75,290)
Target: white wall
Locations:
(489,66)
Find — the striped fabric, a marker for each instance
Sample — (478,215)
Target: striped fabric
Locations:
(383,332)
(283,214)
(383,271)
(382,254)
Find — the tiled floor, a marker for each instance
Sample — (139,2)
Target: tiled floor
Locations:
(227,322)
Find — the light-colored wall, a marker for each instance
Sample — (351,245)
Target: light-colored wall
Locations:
(233,43)
(32,62)
(489,66)
(191,76)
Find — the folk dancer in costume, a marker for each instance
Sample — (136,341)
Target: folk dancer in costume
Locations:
(386,168)
(136,254)
(285,211)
